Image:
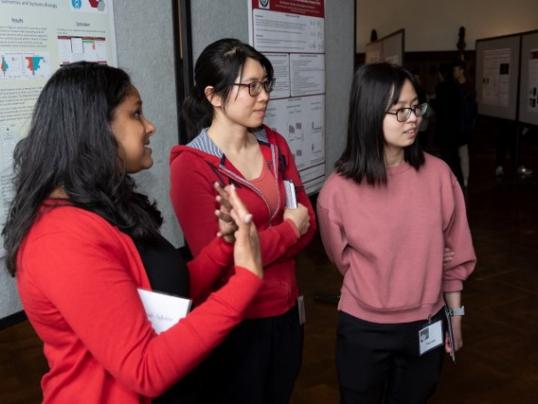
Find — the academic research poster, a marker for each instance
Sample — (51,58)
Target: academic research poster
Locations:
(36,38)
(291,33)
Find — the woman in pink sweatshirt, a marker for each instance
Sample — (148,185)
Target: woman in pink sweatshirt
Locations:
(386,216)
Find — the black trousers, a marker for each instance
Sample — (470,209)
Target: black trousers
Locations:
(257,363)
(380,362)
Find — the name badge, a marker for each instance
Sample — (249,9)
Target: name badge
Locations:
(430,337)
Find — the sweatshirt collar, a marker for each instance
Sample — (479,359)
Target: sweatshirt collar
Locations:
(203,142)
(399,169)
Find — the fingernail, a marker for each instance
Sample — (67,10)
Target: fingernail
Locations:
(247,218)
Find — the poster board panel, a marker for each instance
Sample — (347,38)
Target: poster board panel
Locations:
(528,92)
(36,38)
(387,49)
(374,52)
(497,73)
(292,36)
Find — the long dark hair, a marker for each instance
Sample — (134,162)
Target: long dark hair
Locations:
(218,66)
(70,145)
(375,88)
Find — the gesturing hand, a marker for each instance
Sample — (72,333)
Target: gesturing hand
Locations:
(247,245)
(227,226)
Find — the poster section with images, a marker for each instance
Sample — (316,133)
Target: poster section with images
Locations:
(291,34)
(36,38)
(496,77)
(532,86)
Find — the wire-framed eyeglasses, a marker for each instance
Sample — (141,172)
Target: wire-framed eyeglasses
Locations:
(255,88)
(403,114)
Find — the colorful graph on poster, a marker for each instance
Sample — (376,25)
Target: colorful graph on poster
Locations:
(24,66)
(75,48)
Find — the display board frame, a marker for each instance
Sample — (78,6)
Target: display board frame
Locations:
(183,59)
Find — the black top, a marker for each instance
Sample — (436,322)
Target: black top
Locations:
(165,267)
(167,273)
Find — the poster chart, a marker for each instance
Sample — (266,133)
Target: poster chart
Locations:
(291,34)
(532,85)
(36,38)
(496,73)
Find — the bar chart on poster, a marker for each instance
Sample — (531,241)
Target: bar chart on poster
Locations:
(36,38)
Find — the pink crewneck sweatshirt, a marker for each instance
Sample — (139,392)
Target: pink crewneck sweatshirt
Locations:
(388,241)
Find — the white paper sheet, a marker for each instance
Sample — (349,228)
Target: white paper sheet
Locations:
(163,310)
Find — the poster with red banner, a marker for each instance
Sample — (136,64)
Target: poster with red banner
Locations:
(291,33)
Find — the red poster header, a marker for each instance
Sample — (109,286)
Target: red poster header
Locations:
(312,8)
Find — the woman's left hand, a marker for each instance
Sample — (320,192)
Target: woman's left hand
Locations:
(227,225)
(448,255)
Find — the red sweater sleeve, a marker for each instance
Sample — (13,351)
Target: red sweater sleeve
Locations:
(85,279)
(193,199)
(208,266)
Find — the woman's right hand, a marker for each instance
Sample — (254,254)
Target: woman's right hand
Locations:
(299,216)
(247,245)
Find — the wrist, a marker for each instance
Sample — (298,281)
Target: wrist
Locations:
(456,311)
(294,226)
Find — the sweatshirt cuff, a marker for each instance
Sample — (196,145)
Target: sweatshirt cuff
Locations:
(290,233)
(220,250)
(452,286)
(241,289)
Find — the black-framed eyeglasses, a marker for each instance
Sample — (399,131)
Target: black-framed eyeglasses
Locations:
(255,88)
(403,114)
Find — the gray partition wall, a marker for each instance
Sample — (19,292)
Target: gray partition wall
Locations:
(145,48)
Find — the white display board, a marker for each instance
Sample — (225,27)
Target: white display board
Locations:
(497,73)
(528,92)
(292,36)
(389,49)
(36,38)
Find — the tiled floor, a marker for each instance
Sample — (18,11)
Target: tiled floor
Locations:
(499,362)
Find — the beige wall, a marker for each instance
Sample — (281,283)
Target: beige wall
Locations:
(432,25)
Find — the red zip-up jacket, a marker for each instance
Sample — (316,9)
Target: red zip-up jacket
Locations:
(77,278)
(194,169)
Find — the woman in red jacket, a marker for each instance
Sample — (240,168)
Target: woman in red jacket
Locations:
(258,363)
(81,241)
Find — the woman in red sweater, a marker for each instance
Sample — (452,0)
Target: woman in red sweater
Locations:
(386,216)
(81,241)
(259,361)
